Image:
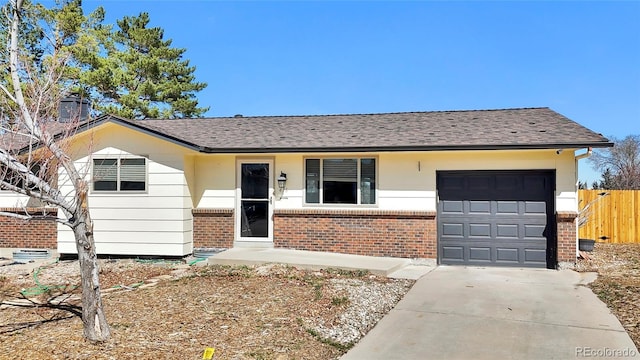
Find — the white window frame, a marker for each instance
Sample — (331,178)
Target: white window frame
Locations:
(118,160)
(358,181)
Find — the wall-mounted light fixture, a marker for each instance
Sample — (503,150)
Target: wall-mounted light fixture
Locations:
(282,181)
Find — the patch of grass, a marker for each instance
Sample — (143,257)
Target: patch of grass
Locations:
(224,270)
(340,346)
(349,273)
(120,325)
(317,291)
(242,270)
(317,284)
(339,301)
(260,355)
(604,295)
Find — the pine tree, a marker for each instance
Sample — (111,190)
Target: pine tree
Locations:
(128,69)
(142,76)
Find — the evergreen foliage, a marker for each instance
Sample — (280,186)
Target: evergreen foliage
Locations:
(128,69)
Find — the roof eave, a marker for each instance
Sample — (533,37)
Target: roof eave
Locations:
(155,133)
(122,122)
(263,150)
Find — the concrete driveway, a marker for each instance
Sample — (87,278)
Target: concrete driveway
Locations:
(497,313)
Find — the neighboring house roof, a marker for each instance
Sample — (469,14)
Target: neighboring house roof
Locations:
(19,139)
(527,128)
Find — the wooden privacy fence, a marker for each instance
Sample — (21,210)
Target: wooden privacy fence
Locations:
(614,218)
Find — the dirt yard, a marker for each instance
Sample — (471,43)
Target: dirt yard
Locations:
(618,282)
(169,310)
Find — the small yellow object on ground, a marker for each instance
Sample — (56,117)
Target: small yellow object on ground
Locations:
(208,353)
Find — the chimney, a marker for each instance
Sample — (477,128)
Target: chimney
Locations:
(73,107)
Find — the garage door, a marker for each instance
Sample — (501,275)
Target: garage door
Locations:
(499,218)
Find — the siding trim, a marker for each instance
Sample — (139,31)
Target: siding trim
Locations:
(202,211)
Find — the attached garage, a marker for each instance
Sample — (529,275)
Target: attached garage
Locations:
(496,218)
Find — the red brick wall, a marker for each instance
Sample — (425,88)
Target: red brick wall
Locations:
(567,236)
(212,228)
(33,234)
(408,234)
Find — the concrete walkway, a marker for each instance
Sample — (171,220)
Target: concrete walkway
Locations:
(497,313)
(314,260)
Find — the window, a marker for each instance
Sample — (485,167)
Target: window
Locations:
(340,181)
(128,174)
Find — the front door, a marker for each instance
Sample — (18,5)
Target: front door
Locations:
(254,201)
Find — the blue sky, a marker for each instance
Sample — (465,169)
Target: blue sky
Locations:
(581,59)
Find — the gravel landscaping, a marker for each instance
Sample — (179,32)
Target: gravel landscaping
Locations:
(170,310)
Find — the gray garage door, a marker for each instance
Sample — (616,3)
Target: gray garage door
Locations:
(499,218)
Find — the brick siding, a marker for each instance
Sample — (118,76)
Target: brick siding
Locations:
(213,228)
(567,236)
(32,234)
(407,234)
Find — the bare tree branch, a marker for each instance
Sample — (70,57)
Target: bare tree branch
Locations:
(47,193)
(20,133)
(13,64)
(12,328)
(8,93)
(30,166)
(30,217)
(620,164)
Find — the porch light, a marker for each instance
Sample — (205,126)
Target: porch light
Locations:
(282,181)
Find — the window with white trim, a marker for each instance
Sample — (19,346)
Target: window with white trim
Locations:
(124,174)
(340,181)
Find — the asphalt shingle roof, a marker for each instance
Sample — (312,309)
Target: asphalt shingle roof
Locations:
(527,128)
(19,139)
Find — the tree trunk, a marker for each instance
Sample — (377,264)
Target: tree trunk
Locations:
(42,101)
(93,317)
